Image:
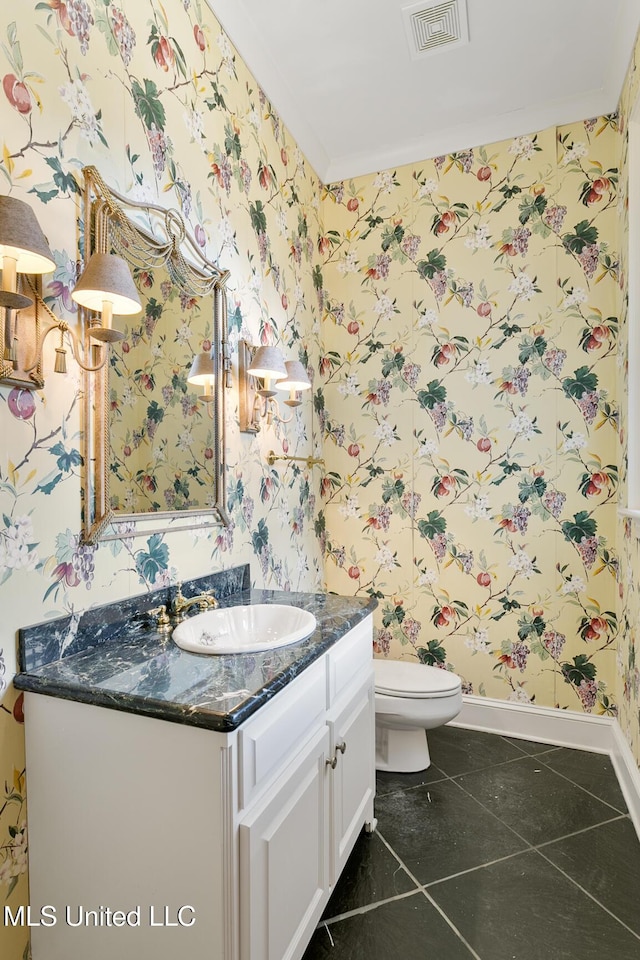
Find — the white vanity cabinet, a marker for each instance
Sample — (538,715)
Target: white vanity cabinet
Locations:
(224,846)
(295,840)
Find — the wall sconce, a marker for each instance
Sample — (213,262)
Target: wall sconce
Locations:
(106,287)
(24,250)
(262,372)
(202,374)
(296,381)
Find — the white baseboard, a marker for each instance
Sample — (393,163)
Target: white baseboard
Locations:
(562,728)
(628,774)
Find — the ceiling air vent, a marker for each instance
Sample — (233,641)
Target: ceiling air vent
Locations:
(431,26)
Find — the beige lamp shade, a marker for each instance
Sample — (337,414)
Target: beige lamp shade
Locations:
(22,239)
(296,378)
(201,373)
(107,280)
(268,362)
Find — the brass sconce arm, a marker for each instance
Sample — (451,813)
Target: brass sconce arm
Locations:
(310,461)
(267,409)
(60,362)
(63,327)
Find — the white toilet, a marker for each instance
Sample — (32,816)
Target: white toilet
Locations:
(411,698)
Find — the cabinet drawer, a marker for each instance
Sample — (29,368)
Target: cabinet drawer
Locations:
(280,729)
(350,661)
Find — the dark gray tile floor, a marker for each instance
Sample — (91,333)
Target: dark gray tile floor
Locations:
(503,849)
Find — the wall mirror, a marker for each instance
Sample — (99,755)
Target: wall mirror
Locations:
(154,451)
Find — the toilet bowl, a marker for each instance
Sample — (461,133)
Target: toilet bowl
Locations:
(411,698)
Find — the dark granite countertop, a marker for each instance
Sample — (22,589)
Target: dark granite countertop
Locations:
(139,669)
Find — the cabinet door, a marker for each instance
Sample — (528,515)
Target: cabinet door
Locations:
(353,777)
(283,859)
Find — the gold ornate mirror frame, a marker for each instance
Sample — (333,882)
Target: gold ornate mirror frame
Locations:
(148,237)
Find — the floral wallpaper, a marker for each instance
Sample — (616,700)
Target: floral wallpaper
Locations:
(628,654)
(161,433)
(459,319)
(154,95)
(470,415)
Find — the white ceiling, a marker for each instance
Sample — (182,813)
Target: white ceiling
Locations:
(341,75)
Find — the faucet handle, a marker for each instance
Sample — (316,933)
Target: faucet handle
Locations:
(212,601)
(162,617)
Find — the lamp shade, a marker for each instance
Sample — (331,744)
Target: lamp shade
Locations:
(296,378)
(268,362)
(22,239)
(107,279)
(201,372)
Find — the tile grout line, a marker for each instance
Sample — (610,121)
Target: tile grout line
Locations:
(537,848)
(450,923)
(453,779)
(430,899)
(576,833)
(367,908)
(549,747)
(528,849)
(533,846)
(400,861)
(506,826)
(415,786)
(480,866)
(588,792)
(590,895)
(489,766)
(454,776)
(534,756)
(464,773)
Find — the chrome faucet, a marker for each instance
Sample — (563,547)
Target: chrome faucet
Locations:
(180,604)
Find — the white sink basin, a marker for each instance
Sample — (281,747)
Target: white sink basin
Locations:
(244,629)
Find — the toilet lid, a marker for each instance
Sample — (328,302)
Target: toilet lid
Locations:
(400,678)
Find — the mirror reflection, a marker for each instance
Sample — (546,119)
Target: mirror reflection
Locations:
(161,434)
(155,445)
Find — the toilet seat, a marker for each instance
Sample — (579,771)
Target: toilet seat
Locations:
(417,681)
